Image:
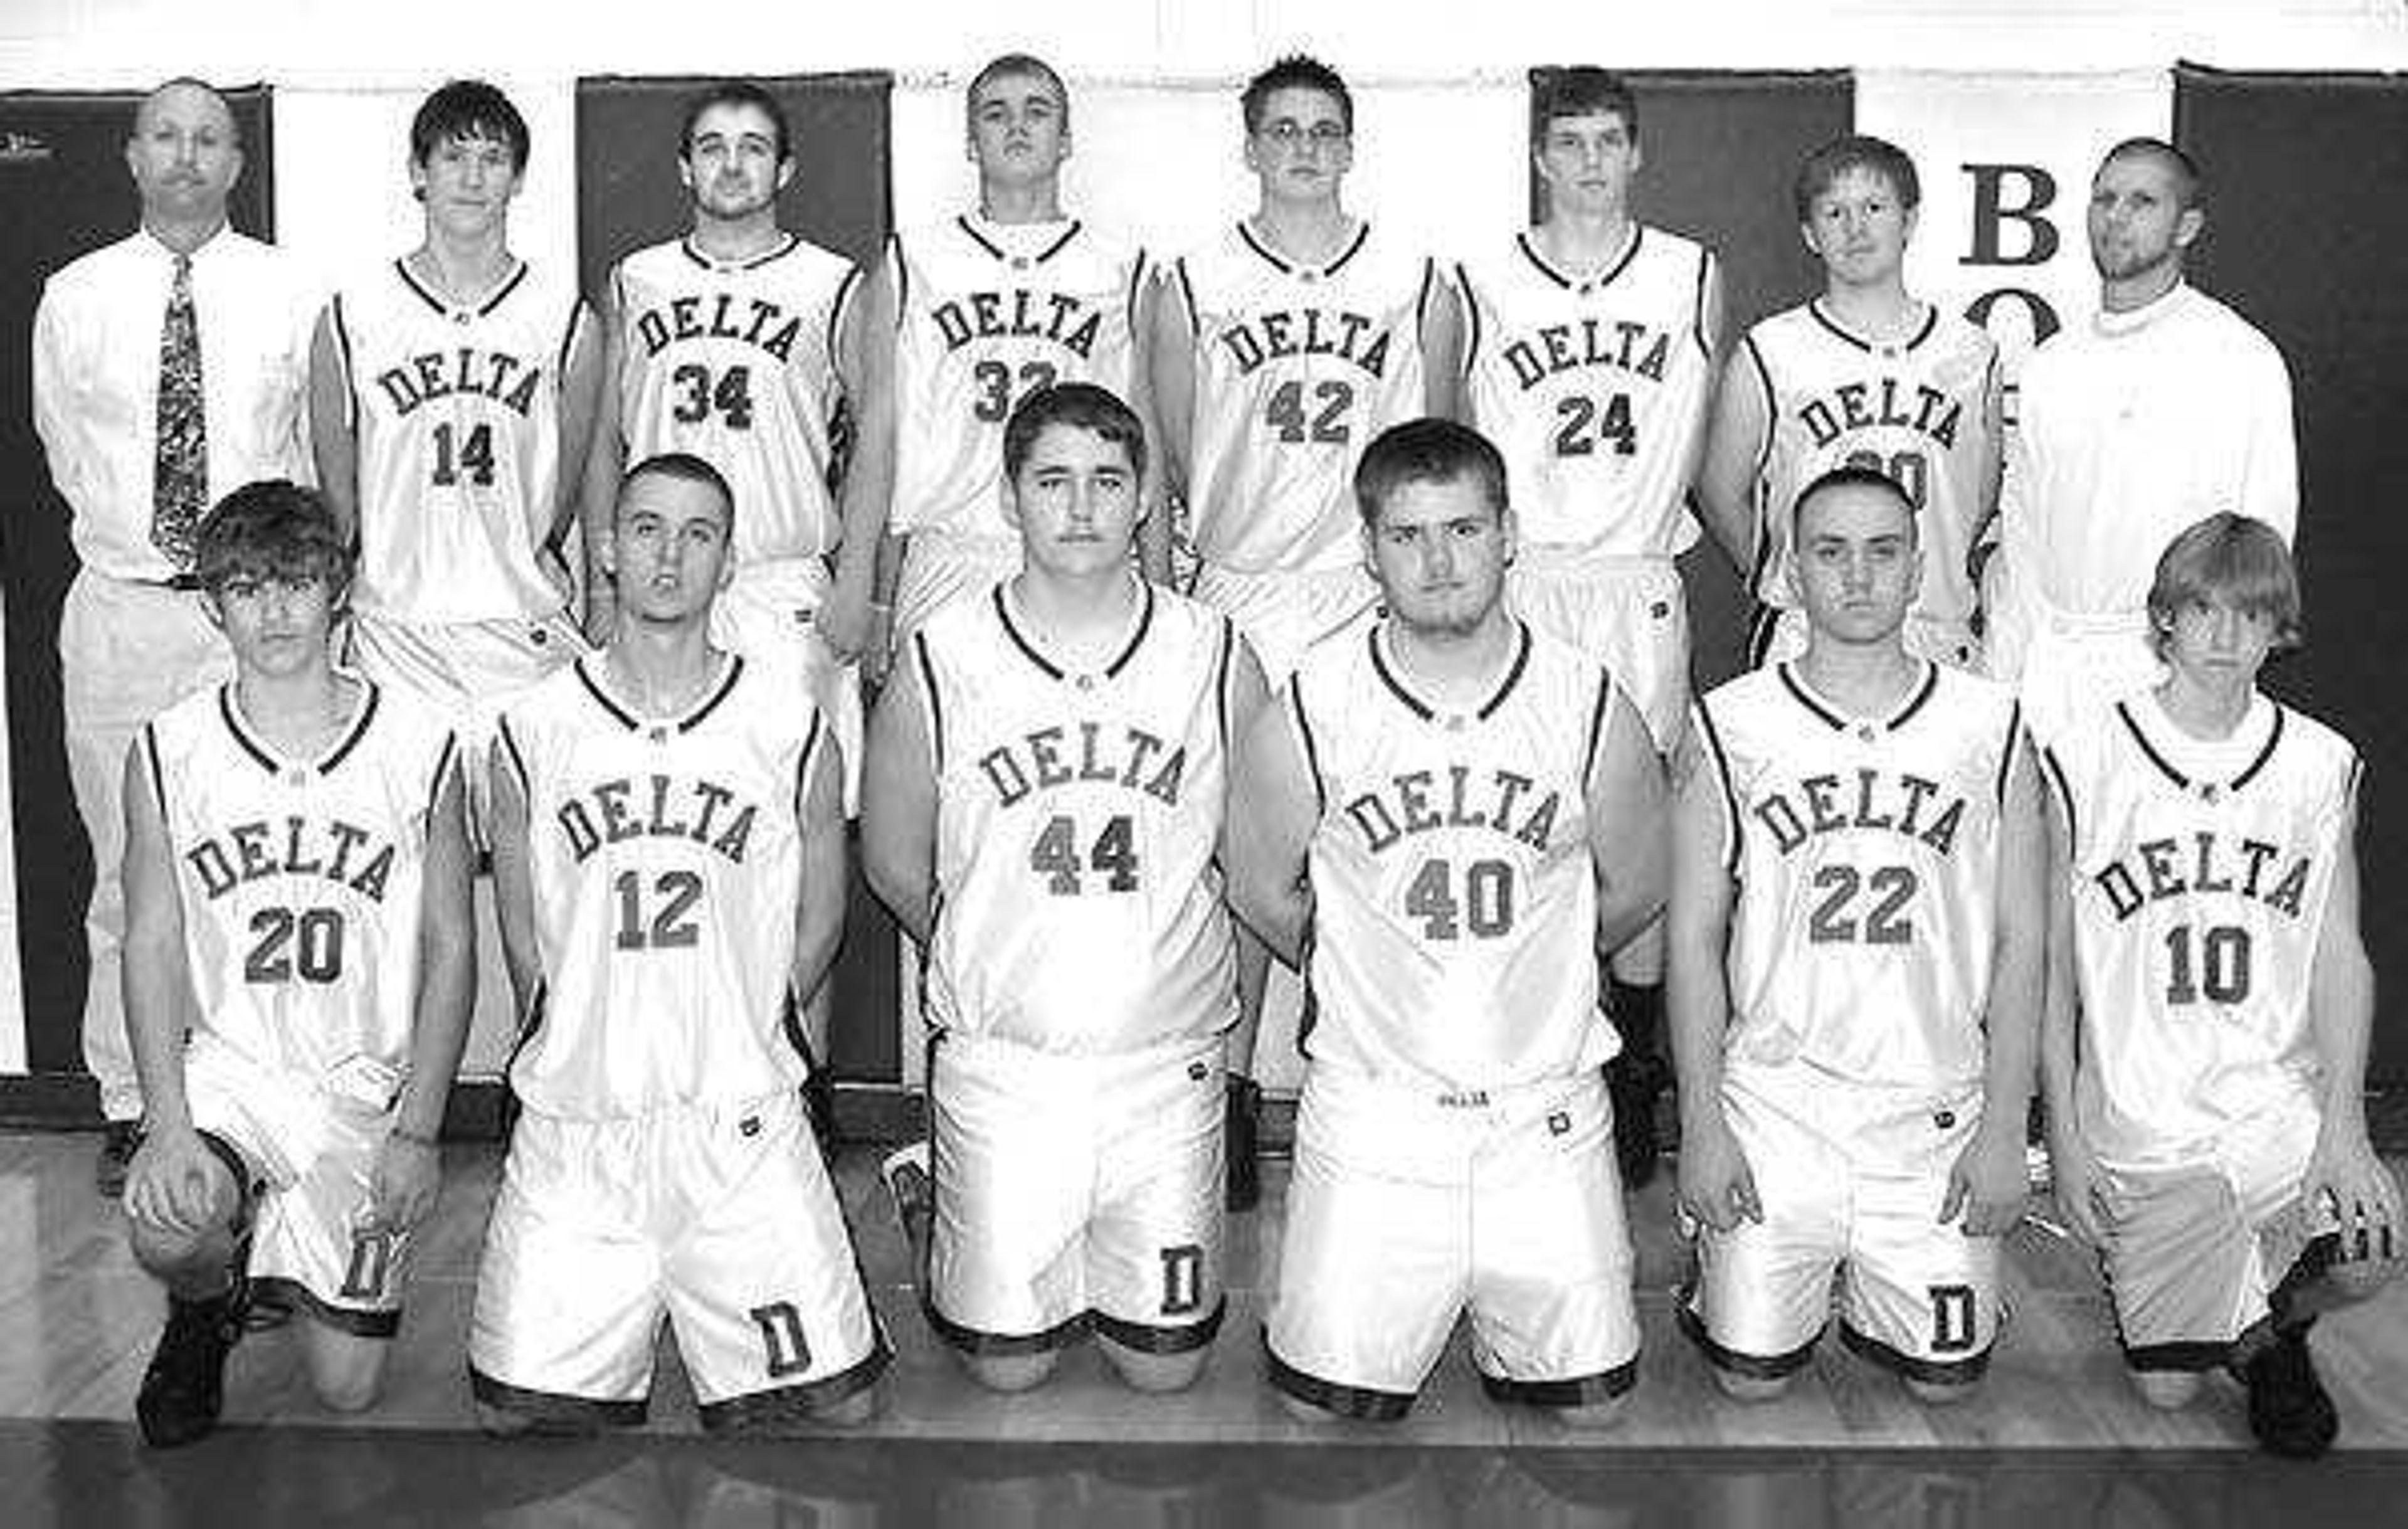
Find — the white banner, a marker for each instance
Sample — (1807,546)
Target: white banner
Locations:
(2006,161)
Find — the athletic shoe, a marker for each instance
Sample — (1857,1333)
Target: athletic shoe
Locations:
(907,1176)
(184,1387)
(2289,1410)
(119,1141)
(1242,1144)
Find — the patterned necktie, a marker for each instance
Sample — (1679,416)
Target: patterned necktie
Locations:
(179,485)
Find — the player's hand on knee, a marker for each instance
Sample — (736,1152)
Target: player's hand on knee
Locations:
(1715,1183)
(2075,1175)
(171,1184)
(404,1183)
(2345,1173)
(1987,1183)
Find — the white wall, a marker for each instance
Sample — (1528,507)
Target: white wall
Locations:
(343,42)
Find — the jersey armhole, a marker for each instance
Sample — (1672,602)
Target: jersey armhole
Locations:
(581,313)
(1303,726)
(847,291)
(1471,336)
(1718,759)
(1600,713)
(2061,788)
(932,702)
(1224,673)
(342,330)
(1140,272)
(807,759)
(447,760)
(902,271)
(517,758)
(1187,298)
(1421,300)
(2007,752)
(1698,304)
(158,771)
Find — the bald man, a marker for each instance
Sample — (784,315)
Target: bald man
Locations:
(169,369)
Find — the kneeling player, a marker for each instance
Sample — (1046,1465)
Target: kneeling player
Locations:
(1042,805)
(298,900)
(669,852)
(1855,977)
(2205,1098)
(1447,819)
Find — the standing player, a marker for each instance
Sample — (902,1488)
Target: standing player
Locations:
(985,309)
(1279,351)
(168,367)
(296,880)
(1448,815)
(1590,348)
(669,850)
(1867,375)
(1045,797)
(1855,970)
(451,397)
(2210,1001)
(735,343)
(2166,407)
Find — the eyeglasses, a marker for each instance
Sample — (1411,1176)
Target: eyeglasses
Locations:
(1287,133)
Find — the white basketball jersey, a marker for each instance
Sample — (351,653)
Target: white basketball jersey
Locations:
(1077,908)
(300,881)
(1298,367)
(666,858)
(1594,389)
(1866,856)
(2199,874)
(457,418)
(1454,896)
(1912,411)
(990,313)
(736,362)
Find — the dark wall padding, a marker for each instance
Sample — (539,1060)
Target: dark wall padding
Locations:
(2306,230)
(628,196)
(63,177)
(1719,151)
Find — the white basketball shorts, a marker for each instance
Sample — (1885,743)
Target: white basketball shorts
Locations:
(1408,1208)
(719,1215)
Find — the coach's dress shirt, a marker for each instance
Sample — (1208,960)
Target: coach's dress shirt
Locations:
(96,382)
(2133,427)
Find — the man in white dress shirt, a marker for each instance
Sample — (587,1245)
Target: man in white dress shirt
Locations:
(2165,408)
(169,369)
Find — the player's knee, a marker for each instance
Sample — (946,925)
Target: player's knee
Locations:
(170,1253)
(1750,1388)
(2166,1390)
(1940,1393)
(1591,1416)
(506,1422)
(854,1410)
(1155,1373)
(1308,1412)
(346,1371)
(1009,1372)
(2357,1281)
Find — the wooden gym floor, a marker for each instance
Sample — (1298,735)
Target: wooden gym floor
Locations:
(2056,1435)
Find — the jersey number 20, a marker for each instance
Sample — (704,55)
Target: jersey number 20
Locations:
(305,942)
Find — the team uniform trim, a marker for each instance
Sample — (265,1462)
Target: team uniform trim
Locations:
(1734,826)
(1361,1402)
(427,295)
(2185,1358)
(1839,331)
(1577,1390)
(782,1404)
(1930,1372)
(1153,1339)
(1754,1366)
(932,699)
(982,1344)
(351,1320)
(556,1407)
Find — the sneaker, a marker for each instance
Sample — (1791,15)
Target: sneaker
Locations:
(909,1183)
(184,1387)
(1633,1083)
(119,1141)
(2289,1410)
(1241,1124)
